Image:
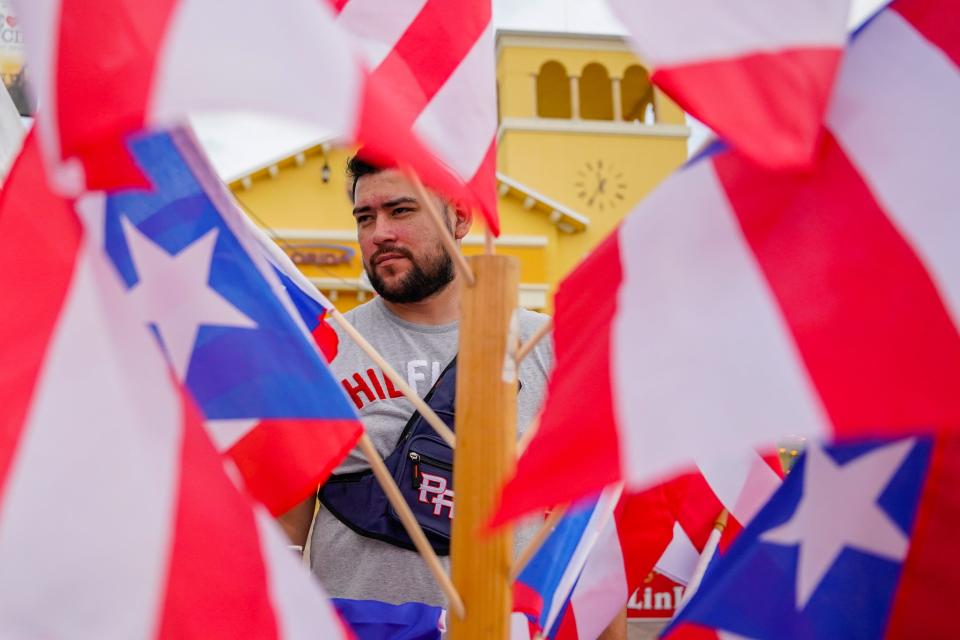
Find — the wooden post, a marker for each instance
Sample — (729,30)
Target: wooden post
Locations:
(486,444)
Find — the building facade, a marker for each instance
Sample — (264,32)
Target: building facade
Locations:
(583,136)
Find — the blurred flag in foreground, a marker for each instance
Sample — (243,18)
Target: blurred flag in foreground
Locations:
(313,307)
(108,69)
(857,543)
(116,517)
(374,620)
(736,305)
(760,74)
(585,534)
(435,59)
(196,275)
(597,557)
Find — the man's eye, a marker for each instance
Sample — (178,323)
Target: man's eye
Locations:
(364,219)
(401,210)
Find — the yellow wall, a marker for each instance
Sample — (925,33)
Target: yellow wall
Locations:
(297,198)
(556,161)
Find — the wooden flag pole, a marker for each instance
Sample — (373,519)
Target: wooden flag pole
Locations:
(537,336)
(410,524)
(428,414)
(489,247)
(528,435)
(486,418)
(708,550)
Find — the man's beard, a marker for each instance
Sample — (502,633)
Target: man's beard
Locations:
(419,283)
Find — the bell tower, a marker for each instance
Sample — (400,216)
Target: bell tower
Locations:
(581,123)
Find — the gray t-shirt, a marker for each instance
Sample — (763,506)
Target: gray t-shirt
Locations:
(348,564)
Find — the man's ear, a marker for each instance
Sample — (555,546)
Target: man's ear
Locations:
(463,220)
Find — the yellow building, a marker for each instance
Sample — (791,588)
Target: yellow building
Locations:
(583,136)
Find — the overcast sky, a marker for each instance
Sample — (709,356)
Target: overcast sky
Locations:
(592,16)
(237,143)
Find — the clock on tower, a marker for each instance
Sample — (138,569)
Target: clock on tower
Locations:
(600,185)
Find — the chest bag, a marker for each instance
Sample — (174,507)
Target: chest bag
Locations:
(422,466)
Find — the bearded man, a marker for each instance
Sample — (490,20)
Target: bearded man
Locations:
(413,323)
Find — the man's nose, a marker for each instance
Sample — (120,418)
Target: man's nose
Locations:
(384,230)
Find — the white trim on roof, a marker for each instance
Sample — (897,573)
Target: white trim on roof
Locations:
(297,154)
(559,213)
(602,127)
(560,40)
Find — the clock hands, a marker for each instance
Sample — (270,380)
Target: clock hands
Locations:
(604,177)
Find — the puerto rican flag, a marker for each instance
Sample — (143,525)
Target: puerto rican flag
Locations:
(435,59)
(859,542)
(110,68)
(642,529)
(314,309)
(312,306)
(222,318)
(116,517)
(544,588)
(758,73)
(596,557)
(737,305)
(742,483)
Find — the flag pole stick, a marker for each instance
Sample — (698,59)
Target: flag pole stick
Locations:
(537,336)
(527,436)
(523,352)
(428,414)
(410,524)
(537,541)
(705,557)
(446,237)
(489,247)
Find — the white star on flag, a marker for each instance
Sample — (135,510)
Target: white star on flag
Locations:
(839,509)
(173,293)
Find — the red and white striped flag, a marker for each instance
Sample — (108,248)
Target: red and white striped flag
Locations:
(435,59)
(758,73)
(665,527)
(737,305)
(109,68)
(116,517)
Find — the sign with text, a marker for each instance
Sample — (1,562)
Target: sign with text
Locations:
(656,599)
(326,255)
(13,70)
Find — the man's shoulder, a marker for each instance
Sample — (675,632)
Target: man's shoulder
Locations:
(529,321)
(363,311)
(364,319)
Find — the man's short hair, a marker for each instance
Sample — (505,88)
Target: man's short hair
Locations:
(357,167)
